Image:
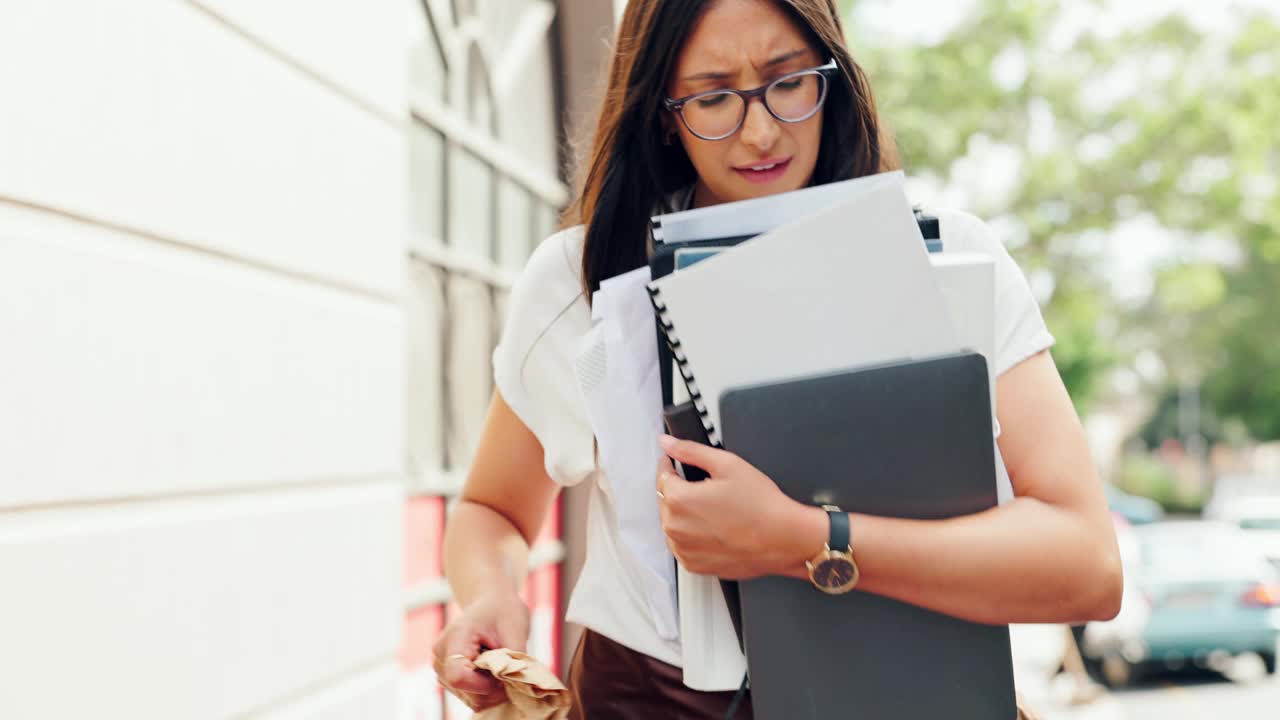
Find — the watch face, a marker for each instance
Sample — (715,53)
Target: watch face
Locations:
(834,573)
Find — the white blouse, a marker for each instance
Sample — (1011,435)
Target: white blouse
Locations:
(536,369)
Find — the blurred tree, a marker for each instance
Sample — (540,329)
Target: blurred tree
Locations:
(1153,131)
(1243,380)
(1165,422)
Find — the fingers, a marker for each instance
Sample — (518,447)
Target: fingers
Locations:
(671,487)
(713,460)
(455,667)
(666,477)
(460,673)
(476,701)
(674,495)
(665,465)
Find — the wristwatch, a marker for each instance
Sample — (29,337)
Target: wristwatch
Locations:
(833,571)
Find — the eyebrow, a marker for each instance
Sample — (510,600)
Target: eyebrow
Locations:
(724,75)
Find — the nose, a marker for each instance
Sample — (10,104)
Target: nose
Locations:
(760,130)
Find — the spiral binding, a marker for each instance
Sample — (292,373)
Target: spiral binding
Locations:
(682,362)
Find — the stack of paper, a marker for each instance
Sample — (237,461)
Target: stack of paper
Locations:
(840,278)
(849,286)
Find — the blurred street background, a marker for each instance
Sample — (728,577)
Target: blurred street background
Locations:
(1127,154)
(254,255)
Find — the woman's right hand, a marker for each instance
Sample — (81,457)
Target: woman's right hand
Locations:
(495,620)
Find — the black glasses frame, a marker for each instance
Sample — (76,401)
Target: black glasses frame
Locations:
(676,105)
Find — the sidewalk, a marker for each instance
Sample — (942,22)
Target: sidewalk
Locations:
(1104,709)
(1037,652)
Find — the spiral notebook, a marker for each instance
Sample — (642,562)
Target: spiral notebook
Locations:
(727,224)
(850,285)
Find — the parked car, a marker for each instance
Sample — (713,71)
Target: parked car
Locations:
(1197,594)
(1259,517)
(1231,491)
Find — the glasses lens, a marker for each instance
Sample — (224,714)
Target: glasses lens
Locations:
(713,115)
(797,97)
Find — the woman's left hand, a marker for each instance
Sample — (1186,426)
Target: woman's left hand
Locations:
(736,524)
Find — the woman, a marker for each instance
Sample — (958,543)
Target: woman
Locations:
(1047,556)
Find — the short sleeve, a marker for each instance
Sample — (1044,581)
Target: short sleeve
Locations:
(533,364)
(1020,330)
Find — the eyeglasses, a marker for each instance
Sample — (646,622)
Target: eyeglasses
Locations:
(717,114)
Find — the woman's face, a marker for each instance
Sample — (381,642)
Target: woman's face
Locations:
(744,44)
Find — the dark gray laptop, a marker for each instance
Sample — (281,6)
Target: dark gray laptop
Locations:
(910,440)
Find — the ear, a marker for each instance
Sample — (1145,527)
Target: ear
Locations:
(668,123)
(670,136)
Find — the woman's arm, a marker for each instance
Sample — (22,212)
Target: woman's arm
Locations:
(502,508)
(1050,555)
(486,553)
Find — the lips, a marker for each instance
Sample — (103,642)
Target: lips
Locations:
(764,171)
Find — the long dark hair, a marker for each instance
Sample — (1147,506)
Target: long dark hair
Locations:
(628,170)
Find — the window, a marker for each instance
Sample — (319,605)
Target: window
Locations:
(426,168)
(483,192)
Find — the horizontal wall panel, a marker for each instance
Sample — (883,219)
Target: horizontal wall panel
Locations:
(421,697)
(196,608)
(361,47)
(154,115)
(371,695)
(130,367)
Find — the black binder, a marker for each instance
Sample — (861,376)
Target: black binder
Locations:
(911,440)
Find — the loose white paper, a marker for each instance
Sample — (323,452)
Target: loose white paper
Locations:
(625,410)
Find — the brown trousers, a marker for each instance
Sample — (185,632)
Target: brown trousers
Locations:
(613,682)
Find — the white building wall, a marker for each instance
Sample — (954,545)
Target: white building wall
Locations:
(203,357)
(253,259)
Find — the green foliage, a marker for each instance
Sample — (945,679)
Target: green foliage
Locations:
(1148,476)
(1161,124)
(1081,353)
(1191,287)
(1165,422)
(1244,377)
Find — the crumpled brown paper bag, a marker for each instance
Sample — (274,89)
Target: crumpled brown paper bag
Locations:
(533,691)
